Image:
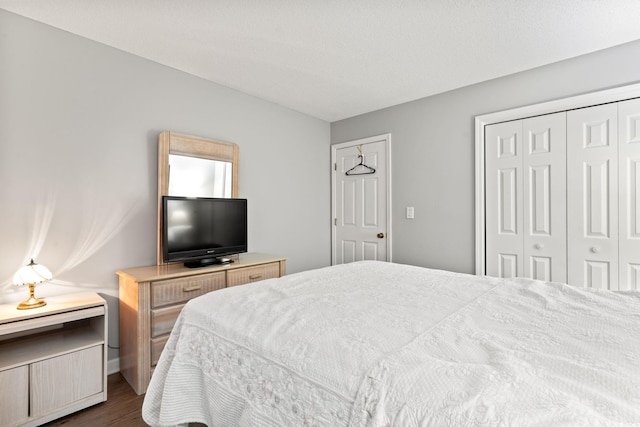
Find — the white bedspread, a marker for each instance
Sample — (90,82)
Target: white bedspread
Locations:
(380,344)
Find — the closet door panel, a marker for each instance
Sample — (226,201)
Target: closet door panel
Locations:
(592,197)
(544,160)
(504,199)
(629,182)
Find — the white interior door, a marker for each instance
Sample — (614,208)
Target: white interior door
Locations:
(360,200)
(592,196)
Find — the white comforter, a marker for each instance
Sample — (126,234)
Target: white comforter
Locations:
(380,344)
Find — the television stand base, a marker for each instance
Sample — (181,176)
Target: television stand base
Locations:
(207,262)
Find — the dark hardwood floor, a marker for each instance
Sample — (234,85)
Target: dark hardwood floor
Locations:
(122,408)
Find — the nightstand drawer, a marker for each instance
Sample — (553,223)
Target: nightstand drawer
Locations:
(14,394)
(163,319)
(240,276)
(62,380)
(173,291)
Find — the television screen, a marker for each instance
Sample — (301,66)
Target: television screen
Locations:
(199,231)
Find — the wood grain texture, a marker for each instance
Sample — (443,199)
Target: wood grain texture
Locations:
(242,276)
(152,297)
(122,409)
(14,394)
(174,291)
(168,271)
(135,299)
(157,345)
(62,380)
(163,319)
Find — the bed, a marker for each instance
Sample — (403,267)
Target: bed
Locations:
(381,344)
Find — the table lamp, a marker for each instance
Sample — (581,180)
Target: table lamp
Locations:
(32,274)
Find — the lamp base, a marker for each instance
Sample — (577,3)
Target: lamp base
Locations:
(31,303)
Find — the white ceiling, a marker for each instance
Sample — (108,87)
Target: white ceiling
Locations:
(334,59)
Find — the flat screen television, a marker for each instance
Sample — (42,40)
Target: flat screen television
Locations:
(202,231)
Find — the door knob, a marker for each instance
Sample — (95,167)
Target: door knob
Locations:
(595,250)
(380,235)
(537,246)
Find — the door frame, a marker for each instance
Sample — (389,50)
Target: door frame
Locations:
(362,141)
(620,93)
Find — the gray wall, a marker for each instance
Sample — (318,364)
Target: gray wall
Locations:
(433,149)
(79,123)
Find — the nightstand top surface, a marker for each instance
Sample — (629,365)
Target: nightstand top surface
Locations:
(55,304)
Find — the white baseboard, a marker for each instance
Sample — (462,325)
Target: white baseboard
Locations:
(113,366)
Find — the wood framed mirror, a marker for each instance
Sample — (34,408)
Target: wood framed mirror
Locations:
(194,167)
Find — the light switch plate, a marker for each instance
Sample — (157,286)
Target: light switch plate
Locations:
(410,212)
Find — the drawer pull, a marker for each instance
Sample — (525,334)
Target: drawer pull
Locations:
(255,276)
(191,288)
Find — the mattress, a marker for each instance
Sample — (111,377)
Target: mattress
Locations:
(380,344)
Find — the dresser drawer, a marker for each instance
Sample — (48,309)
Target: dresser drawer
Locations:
(173,291)
(240,276)
(157,345)
(152,298)
(163,319)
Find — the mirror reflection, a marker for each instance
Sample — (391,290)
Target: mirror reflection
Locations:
(197,177)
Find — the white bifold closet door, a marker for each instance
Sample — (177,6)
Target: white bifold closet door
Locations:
(629,181)
(526,198)
(592,196)
(562,197)
(604,196)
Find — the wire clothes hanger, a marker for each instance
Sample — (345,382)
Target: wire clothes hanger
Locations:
(367,169)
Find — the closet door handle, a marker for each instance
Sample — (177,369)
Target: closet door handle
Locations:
(595,250)
(537,246)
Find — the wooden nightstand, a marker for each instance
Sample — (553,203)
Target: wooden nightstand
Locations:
(53,359)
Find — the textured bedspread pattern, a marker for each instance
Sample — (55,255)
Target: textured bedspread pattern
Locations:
(381,344)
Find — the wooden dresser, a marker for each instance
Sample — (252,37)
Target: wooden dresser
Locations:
(151,299)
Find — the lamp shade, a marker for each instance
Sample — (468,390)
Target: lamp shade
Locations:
(32,273)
